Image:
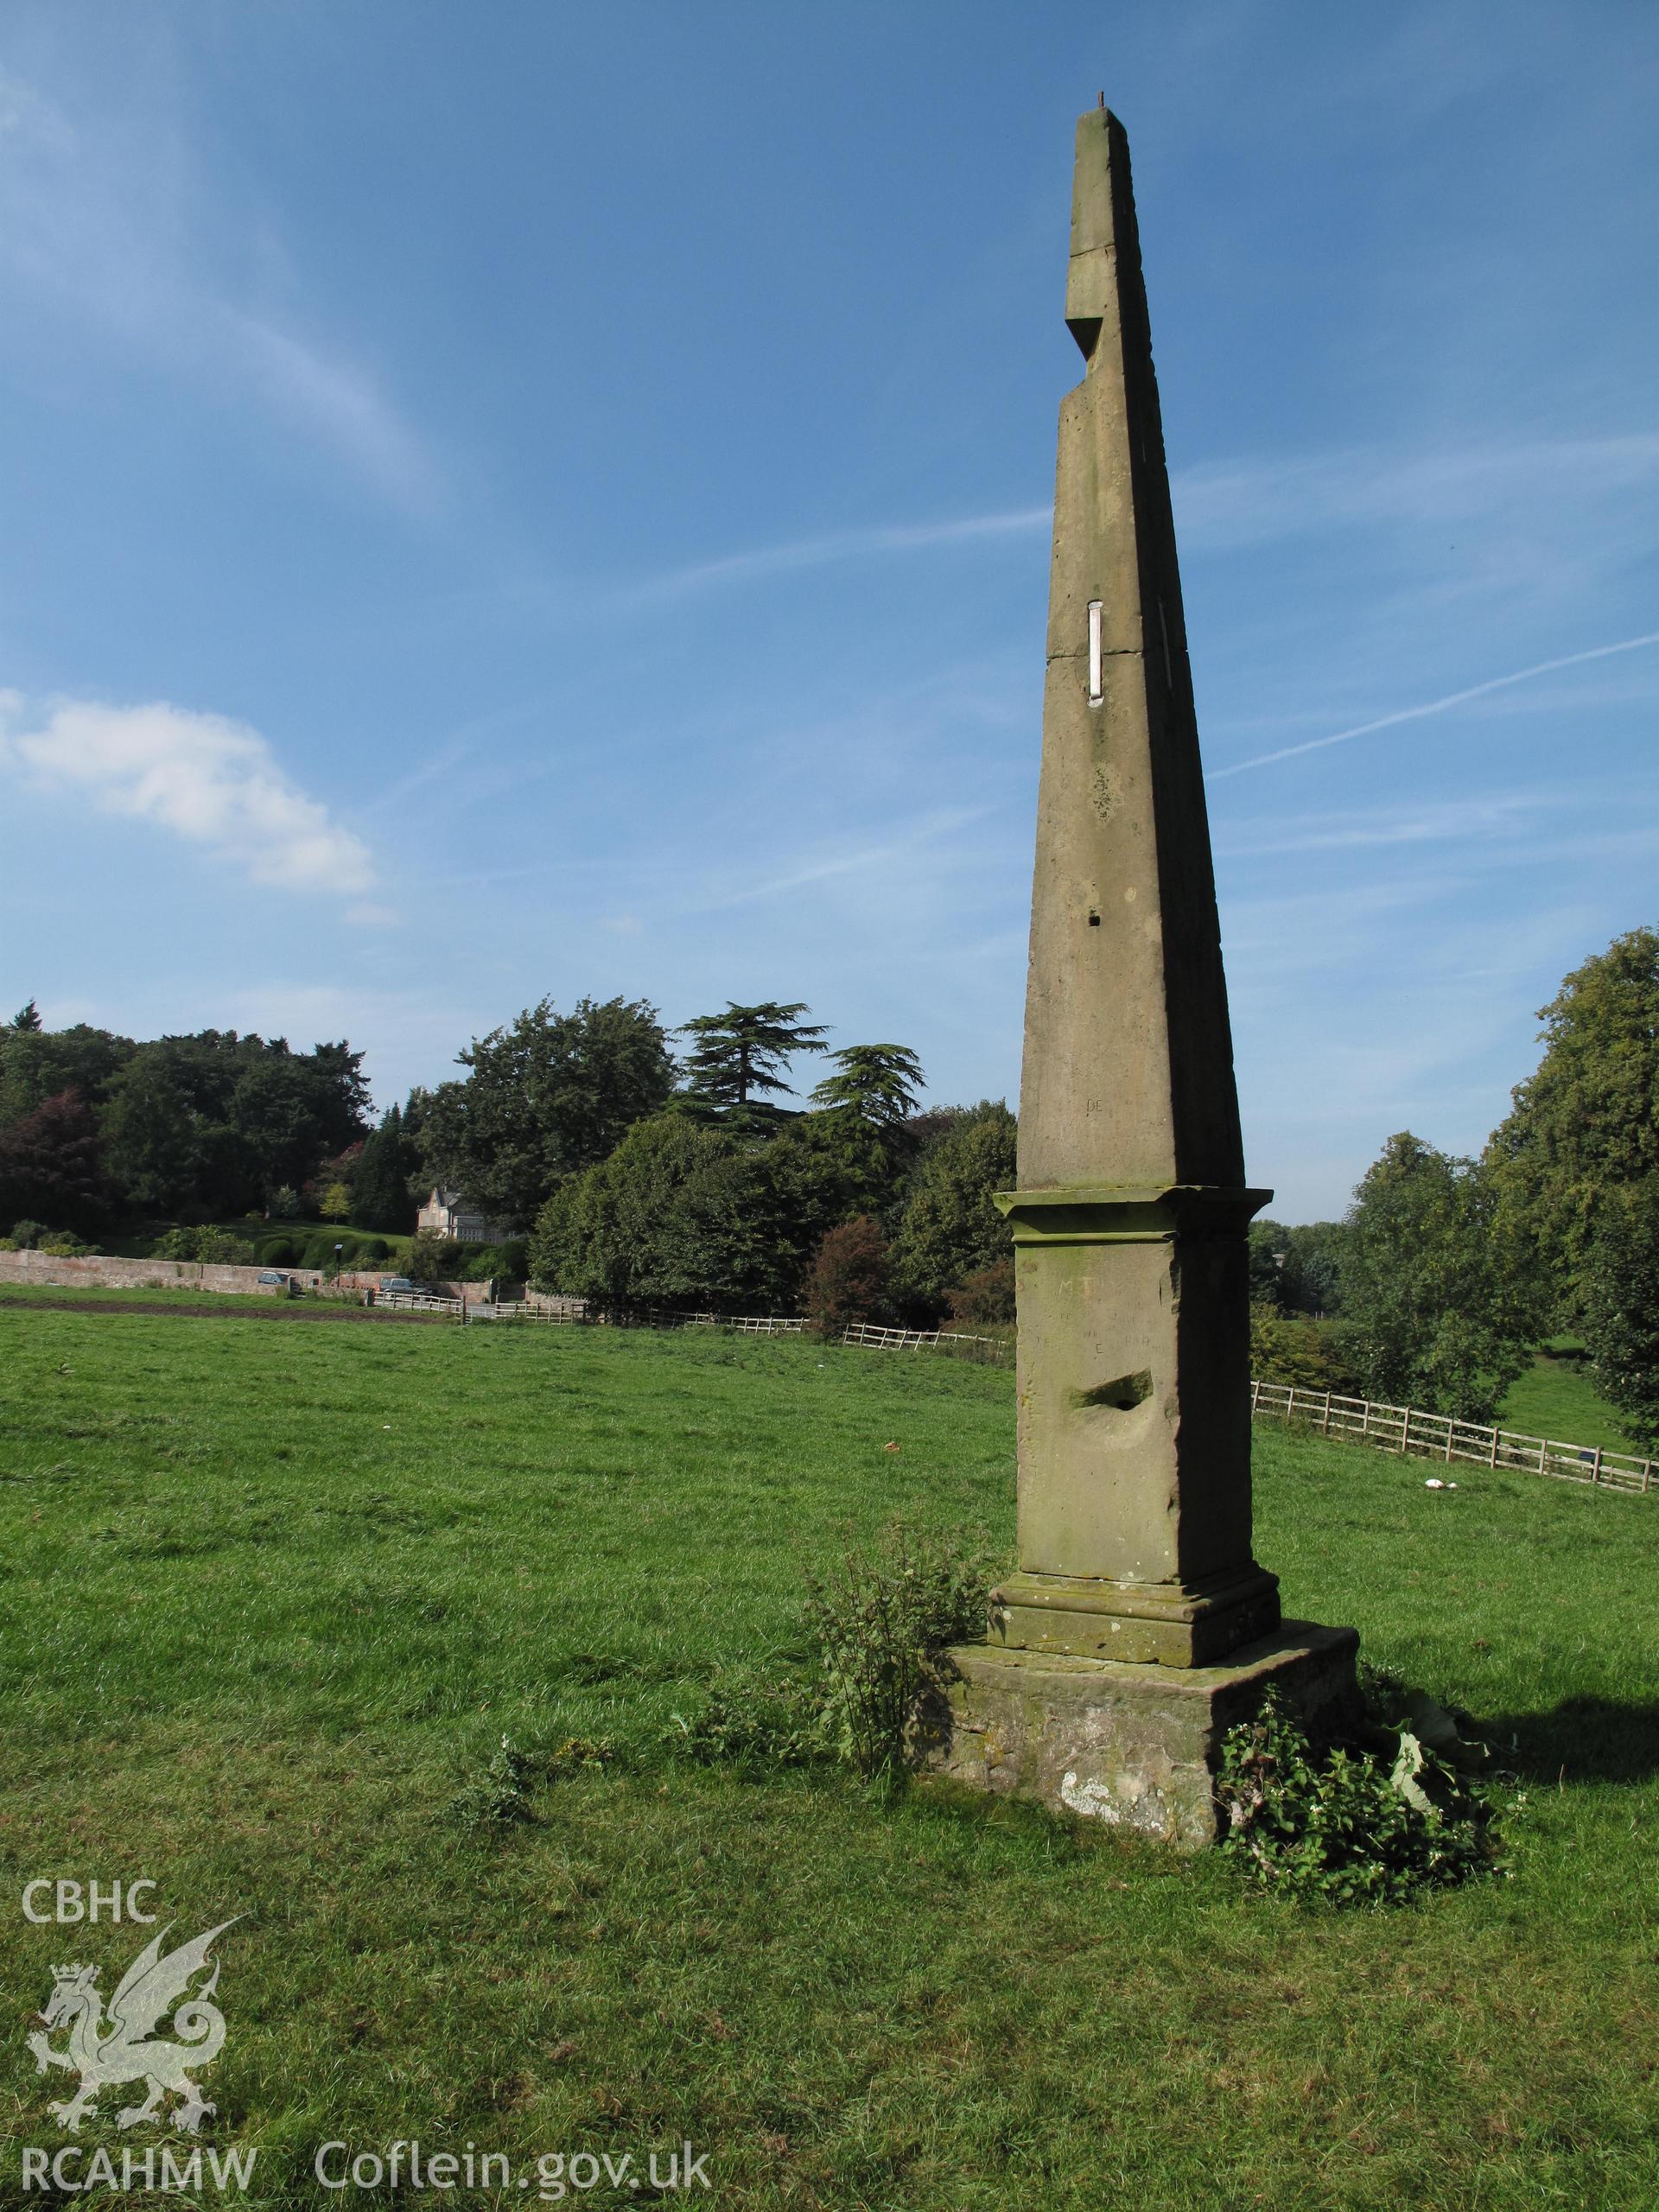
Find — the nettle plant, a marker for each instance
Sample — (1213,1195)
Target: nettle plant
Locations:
(878,1626)
(498,1793)
(882,1624)
(1372,1824)
(755,1718)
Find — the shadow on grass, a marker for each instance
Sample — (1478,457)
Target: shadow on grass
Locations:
(1583,1739)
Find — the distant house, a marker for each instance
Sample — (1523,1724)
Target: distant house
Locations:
(446,1213)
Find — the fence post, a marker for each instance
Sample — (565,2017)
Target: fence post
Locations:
(1290,1404)
(1494,1444)
(1324,1424)
(1364,1416)
(1405,1432)
(1543,1450)
(1256,1393)
(1595,1467)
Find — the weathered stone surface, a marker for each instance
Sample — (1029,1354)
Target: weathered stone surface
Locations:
(1138,1627)
(1166,1623)
(1134,1746)
(1129,1066)
(103,1270)
(1133,1391)
(1129,1222)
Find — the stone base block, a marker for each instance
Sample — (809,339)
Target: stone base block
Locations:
(1163,1623)
(1135,1745)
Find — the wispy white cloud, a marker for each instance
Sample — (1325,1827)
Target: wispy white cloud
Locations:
(880,539)
(1435,706)
(441,761)
(210,781)
(850,858)
(323,393)
(103,225)
(1226,506)
(1492,829)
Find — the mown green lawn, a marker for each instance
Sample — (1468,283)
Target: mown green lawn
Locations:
(1557,1397)
(272,1591)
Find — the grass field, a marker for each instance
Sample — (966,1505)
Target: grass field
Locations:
(272,1593)
(1558,1398)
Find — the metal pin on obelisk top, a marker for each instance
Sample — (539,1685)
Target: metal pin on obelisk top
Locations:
(1138,1621)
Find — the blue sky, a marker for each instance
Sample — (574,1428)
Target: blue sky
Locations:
(517,499)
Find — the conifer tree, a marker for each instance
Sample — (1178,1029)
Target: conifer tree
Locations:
(736,1065)
(381,1197)
(878,1083)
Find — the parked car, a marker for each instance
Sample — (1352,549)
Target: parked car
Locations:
(274,1279)
(396,1282)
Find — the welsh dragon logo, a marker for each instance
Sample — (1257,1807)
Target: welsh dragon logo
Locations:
(104,2053)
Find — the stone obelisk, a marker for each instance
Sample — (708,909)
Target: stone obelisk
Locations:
(1138,1622)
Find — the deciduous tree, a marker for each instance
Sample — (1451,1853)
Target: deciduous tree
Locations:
(848,1280)
(544,1100)
(1436,1321)
(1267,1243)
(1586,1126)
(986,1297)
(151,1139)
(950,1230)
(50,1166)
(39,1063)
(1310,1278)
(1621,1309)
(679,1216)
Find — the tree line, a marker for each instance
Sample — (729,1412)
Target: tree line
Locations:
(97,1129)
(641,1168)
(1447,1272)
(620,1161)
(647,1179)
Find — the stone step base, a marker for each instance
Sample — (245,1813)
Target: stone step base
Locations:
(1134,1746)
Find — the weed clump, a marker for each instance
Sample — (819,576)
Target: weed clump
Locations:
(879,1625)
(497,1795)
(755,1720)
(1376,1823)
(577,1754)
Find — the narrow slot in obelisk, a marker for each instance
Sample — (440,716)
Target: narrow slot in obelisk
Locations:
(1139,1625)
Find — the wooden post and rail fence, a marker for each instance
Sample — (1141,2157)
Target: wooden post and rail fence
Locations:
(1397,1428)
(1442,1436)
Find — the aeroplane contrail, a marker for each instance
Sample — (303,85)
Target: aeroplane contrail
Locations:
(1434,706)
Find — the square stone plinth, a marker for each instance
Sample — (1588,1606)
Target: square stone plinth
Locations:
(1131,1744)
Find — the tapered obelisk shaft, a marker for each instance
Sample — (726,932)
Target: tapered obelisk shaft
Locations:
(1129,1221)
